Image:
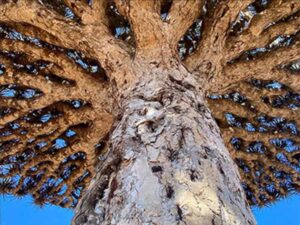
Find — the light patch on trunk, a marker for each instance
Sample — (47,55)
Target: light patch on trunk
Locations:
(148,188)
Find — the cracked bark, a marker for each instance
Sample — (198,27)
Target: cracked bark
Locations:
(166,163)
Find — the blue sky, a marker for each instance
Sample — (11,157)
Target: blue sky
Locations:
(21,212)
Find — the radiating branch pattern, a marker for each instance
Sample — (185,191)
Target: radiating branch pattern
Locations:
(61,62)
(53,100)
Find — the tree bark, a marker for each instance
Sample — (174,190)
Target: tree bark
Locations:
(166,163)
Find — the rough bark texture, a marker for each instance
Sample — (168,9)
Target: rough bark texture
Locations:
(70,69)
(168,161)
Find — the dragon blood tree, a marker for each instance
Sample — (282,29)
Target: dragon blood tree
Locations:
(150,111)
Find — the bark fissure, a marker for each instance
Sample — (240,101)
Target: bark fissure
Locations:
(162,117)
(116,90)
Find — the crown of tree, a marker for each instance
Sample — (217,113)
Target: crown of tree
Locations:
(62,61)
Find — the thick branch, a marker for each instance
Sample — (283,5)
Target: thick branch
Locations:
(145,22)
(182,15)
(30,12)
(86,39)
(61,64)
(258,107)
(258,68)
(278,11)
(247,40)
(94,14)
(215,33)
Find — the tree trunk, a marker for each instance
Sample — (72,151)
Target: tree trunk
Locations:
(166,163)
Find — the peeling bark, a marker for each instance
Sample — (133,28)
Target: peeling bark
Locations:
(168,163)
(68,78)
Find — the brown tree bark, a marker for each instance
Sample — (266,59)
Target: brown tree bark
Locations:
(167,163)
(164,160)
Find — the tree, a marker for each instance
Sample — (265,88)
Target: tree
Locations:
(126,106)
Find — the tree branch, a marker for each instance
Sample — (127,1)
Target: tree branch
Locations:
(278,11)
(90,15)
(145,22)
(260,68)
(215,33)
(108,51)
(242,148)
(182,15)
(46,131)
(247,40)
(61,64)
(31,12)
